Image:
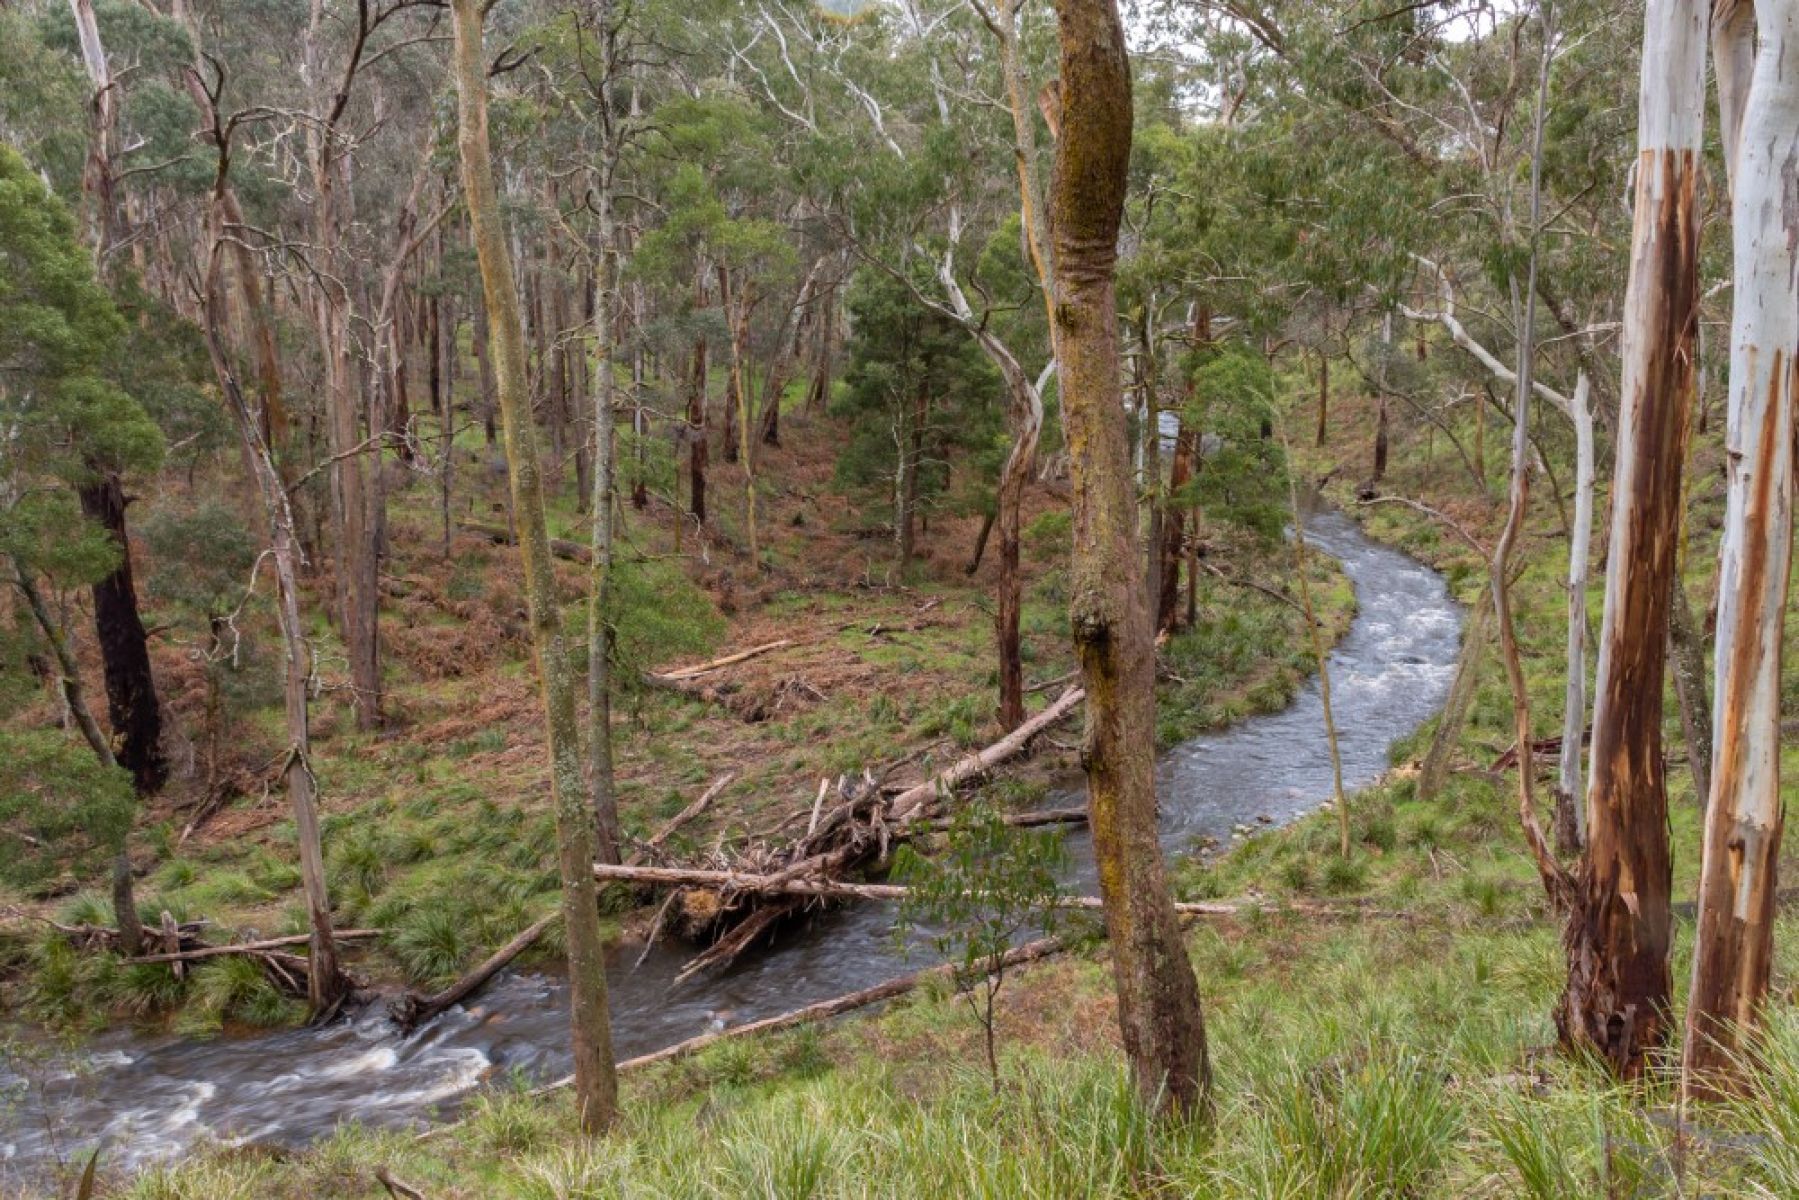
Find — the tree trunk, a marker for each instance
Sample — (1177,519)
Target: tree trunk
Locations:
(325,984)
(1570,815)
(1734,948)
(696,434)
(1027,421)
(599,610)
(737,296)
(1158,998)
(131,704)
(74,698)
(1180,474)
(1434,771)
(596,1081)
(733,380)
(1153,486)
(1620,924)
(1324,398)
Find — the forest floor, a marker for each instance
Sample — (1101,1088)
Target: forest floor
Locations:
(438,827)
(1403,1049)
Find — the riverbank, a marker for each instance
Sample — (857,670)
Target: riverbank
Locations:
(1402,1050)
(438,830)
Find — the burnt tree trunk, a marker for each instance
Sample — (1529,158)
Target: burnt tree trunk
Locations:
(131,705)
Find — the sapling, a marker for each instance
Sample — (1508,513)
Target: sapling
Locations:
(991,885)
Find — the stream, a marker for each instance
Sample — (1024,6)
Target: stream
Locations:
(145,1098)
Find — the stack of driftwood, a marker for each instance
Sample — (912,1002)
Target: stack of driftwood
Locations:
(851,827)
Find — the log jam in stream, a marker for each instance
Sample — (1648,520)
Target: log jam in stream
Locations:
(147,1098)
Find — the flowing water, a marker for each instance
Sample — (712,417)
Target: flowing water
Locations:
(147,1098)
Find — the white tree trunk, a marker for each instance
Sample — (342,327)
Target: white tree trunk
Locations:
(1574,702)
(1735,940)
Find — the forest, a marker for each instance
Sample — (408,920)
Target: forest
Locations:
(897,598)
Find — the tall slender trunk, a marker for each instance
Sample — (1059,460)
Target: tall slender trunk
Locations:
(325,983)
(696,434)
(601,506)
(1324,398)
(1570,814)
(1180,474)
(1158,997)
(1027,422)
(1734,948)
(484,367)
(1154,487)
(74,698)
(737,295)
(1620,921)
(596,1080)
(733,378)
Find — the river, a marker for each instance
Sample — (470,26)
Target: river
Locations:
(145,1098)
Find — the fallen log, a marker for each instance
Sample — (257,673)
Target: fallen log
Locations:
(823,1010)
(912,800)
(854,833)
(499,535)
(832,889)
(1543,745)
(718,664)
(253,948)
(1031,820)
(413,1009)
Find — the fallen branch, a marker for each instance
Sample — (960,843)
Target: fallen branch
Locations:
(253,948)
(833,889)
(681,818)
(395,1188)
(1542,745)
(1234,581)
(716,664)
(1031,820)
(502,536)
(823,1010)
(412,1009)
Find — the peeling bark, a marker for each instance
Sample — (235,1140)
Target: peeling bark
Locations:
(1734,949)
(1619,925)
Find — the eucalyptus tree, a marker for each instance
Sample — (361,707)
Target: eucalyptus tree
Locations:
(723,227)
(65,421)
(1620,921)
(1734,951)
(325,983)
(910,169)
(1158,997)
(595,1076)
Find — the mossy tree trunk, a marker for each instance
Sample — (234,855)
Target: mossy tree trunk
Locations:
(1158,996)
(596,1080)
